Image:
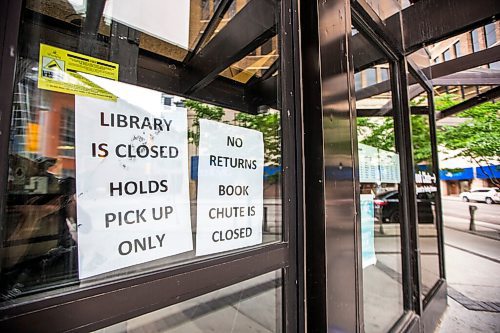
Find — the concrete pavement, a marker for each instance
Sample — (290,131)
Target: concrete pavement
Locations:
(472,273)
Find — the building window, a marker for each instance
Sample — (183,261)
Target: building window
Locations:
(371,76)
(437,60)
(384,74)
(458,49)
(474,34)
(490,34)
(447,55)
(495,65)
(357,81)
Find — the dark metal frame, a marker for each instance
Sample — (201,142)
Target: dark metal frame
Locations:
(408,209)
(434,302)
(430,308)
(98,306)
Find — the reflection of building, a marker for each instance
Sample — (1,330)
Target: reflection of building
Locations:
(299,58)
(44,124)
(469,83)
(458,175)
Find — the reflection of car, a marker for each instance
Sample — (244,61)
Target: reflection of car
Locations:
(387,207)
(487,194)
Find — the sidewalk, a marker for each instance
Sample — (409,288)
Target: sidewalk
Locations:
(472,273)
(482,228)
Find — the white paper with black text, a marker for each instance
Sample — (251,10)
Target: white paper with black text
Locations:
(230,188)
(131,179)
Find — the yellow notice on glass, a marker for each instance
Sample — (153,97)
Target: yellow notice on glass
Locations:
(59,70)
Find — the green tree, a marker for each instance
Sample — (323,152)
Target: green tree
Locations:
(477,137)
(379,133)
(267,123)
(202,111)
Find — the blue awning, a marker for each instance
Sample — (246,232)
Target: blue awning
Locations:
(456,174)
(490,171)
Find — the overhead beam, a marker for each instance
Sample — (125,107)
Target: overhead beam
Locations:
(453,80)
(471,102)
(468,61)
(209,30)
(263,94)
(153,71)
(440,70)
(253,25)
(415,110)
(164,75)
(267,74)
(430,21)
(413,91)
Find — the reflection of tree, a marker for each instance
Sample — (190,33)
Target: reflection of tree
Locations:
(268,124)
(477,137)
(201,111)
(380,134)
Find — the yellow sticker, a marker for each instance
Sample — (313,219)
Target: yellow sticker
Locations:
(59,70)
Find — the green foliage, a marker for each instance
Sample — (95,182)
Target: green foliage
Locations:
(202,111)
(420,131)
(478,136)
(269,125)
(379,133)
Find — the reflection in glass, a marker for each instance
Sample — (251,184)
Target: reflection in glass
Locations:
(39,238)
(249,306)
(379,176)
(385,8)
(426,190)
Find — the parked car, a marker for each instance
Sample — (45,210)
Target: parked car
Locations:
(487,194)
(387,207)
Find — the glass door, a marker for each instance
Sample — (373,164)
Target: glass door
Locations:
(145,167)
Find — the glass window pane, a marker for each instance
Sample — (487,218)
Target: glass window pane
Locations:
(447,55)
(379,175)
(490,34)
(42,229)
(250,306)
(458,49)
(475,40)
(426,189)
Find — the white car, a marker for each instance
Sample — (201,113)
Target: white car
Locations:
(488,194)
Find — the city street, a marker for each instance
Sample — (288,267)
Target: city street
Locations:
(472,268)
(453,206)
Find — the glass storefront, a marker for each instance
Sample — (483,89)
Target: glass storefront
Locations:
(249,306)
(426,187)
(87,160)
(380,178)
(215,165)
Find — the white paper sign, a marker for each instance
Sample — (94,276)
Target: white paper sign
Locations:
(367,230)
(389,167)
(230,188)
(368,164)
(131,179)
(150,17)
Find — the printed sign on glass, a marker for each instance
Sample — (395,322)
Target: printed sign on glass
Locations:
(131,179)
(367,230)
(230,188)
